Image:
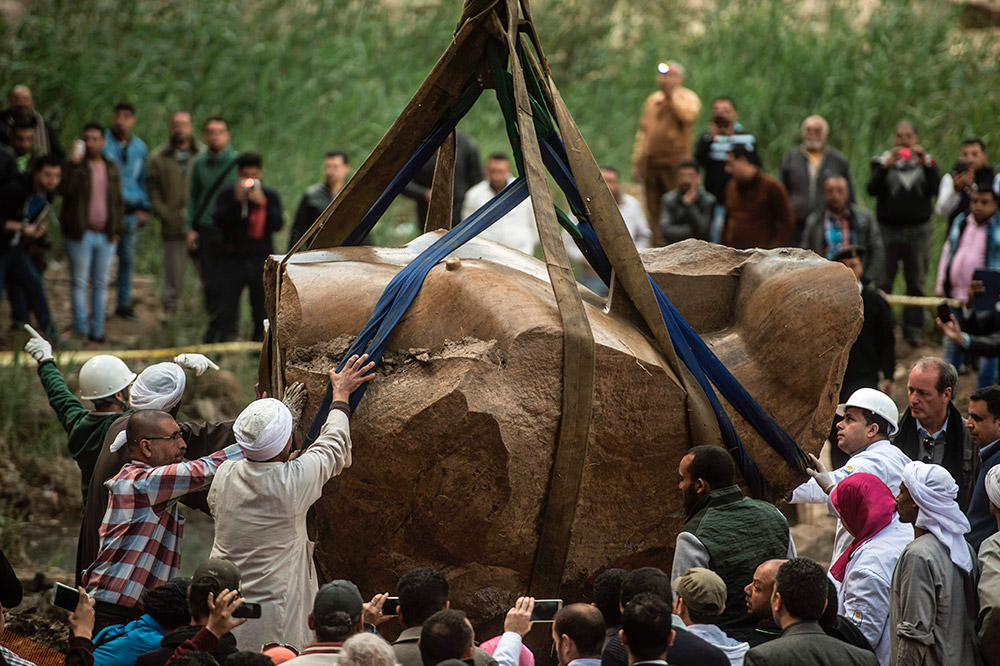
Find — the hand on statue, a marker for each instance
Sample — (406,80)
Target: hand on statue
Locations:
(819,472)
(221,607)
(518,618)
(355,373)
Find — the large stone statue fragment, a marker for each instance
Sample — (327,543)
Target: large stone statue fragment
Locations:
(454,440)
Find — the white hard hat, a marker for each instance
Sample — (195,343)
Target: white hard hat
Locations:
(104,375)
(875,402)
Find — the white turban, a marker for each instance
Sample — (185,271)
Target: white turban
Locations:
(993,485)
(263,429)
(934,490)
(159,386)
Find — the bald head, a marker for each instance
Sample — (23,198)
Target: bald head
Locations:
(154,438)
(758,592)
(578,632)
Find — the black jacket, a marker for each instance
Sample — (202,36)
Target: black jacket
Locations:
(875,348)
(807,197)
(173,640)
(229,219)
(984,332)
(807,643)
(686,650)
(904,195)
(960,456)
(314,201)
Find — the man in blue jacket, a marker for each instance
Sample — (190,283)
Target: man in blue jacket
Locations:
(165,608)
(129,153)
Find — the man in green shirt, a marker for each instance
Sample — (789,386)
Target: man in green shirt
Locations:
(104,380)
(211,171)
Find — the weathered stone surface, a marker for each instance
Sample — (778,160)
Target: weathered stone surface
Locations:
(453,442)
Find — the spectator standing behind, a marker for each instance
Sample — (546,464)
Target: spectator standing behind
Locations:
(904,180)
(758,602)
(983,425)
(842,224)
(989,581)
(932,430)
(271,491)
(578,635)
(688,211)
(142,517)
(93,220)
(517,228)
(164,609)
(336,169)
(211,170)
(932,617)
(468,172)
(646,630)
(713,147)
(725,531)
(954,190)
(129,153)
(46,137)
(630,208)
(700,598)
(448,634)
(805,169)
(366,649)
(607,592)
(973,242)
(758,214)
(168,197)
(800,593)
(16,157)
(663,139)
(246,216)
(867,509)
(25,206)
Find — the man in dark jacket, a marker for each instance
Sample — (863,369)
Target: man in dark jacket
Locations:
(246,214)
(800,594)
(468,172)
(93,218)
(317,197)
(688,211)
(984,430)
(24,207)
(724,133)
(932,429)
(167,182)
(46,137)
(805,168)
(905,180)
(726,532)
(841,224)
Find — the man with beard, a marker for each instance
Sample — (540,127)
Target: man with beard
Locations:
(167,180)
(725,531)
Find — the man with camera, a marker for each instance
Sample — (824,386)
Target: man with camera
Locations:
(956,186)
(724,133)
(246,216)
(904,181)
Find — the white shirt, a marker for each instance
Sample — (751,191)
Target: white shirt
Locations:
(880,458)
(516,229)
(635,222)
(948,199)
(735,650)
(863,597)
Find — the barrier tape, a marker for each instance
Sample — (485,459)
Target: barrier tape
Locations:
(8,359)
(921,301)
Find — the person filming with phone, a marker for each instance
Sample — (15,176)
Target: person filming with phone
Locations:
(246,215)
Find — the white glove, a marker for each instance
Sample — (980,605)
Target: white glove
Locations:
(39,348)
(197,362)
(822,475)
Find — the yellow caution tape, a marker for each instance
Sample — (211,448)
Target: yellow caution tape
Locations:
(8,359)
(921,301)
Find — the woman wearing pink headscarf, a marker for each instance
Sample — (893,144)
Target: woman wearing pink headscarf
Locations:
(867,509)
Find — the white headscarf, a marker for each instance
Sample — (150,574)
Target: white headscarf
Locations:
(993,485)
(263,429)
(159,386)
(934,490)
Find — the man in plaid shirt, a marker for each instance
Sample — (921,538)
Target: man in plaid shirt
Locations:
(141,532)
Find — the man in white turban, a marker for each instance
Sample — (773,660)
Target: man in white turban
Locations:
(989,581)
(260,505)
(933,607)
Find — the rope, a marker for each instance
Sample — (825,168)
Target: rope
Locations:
(921,301)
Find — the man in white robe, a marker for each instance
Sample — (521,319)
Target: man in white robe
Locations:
(260,507)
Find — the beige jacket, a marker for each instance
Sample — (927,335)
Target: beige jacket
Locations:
(665,128)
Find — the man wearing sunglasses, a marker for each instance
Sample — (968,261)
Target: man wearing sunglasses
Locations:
(141,531)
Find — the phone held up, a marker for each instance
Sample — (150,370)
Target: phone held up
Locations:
(390,607)
(545,610)
(943,312)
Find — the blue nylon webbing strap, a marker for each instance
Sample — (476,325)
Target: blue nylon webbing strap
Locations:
(403,288)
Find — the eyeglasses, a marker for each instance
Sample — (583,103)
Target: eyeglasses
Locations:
(176,435)
(275,644)
(929,443)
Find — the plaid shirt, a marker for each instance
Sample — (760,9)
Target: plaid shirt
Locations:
(141,530)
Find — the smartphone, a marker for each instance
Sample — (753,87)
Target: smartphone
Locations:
(66,597)
(545,610)
(78,148)
(391,606)
(905,153)
(943,312)
(247,609)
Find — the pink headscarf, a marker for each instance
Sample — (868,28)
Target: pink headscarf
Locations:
(866,506)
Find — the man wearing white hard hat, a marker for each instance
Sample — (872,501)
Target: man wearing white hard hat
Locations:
(104,380)
(260,505)
(869,421)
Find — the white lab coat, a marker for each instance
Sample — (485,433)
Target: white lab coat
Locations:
(260,526)
(516,229)
(880,458)
(863,597)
